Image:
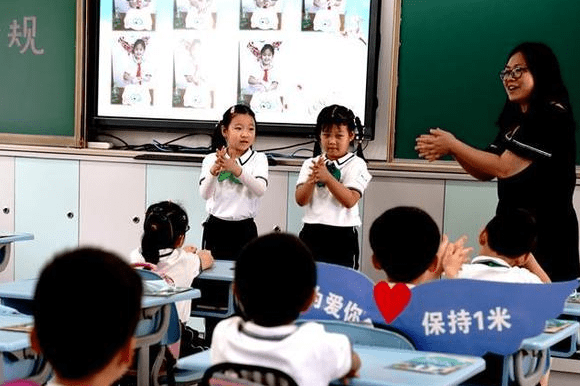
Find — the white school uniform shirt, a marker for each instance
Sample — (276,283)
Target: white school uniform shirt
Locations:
(495,269)
(309,354)
(229,200)
(179,265)
(138,19)
(324,208)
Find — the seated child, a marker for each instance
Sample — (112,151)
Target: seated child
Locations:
(86,307)
(408,247)
(162,246)
(274,282)
(506,251)
(505,255)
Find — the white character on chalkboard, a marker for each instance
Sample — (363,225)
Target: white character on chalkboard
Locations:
(28,31)
(138,16)
(137,76)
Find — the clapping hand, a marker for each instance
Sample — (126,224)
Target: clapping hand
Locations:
(217,167)
(434,145)
(453,255)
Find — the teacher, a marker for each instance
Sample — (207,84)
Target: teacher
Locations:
(533,156)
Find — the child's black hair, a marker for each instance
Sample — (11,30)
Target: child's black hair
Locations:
(217,140)
(137,42)
(265,47)
(337,115)
(275,277)
(404,241)
(164,223)
(86,307)
(512,233)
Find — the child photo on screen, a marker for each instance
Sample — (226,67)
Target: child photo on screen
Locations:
(323,15)
(191,76)
(195,14)
(263,80)
(136,15)
(133,73)
(260,14)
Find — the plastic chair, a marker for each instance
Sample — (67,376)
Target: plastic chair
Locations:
(157,325)
(235,374)
(362,334)
(24,365)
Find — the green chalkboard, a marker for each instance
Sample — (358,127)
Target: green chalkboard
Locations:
(38,62)
(451,52)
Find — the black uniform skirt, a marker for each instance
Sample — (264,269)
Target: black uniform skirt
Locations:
(226,238)
(332,244)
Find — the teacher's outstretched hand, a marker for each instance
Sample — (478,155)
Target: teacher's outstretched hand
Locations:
(435,145)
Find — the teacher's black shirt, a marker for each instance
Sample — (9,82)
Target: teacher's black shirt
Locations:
(545,188)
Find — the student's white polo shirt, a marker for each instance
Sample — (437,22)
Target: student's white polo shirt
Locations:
(495,269)
(324,208)
(230,200)
(309,354)
(181,266)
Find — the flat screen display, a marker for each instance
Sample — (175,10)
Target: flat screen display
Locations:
(181,63)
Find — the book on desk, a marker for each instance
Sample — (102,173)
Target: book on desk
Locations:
(169,291)
(24,327)
(555,325)
(432,364)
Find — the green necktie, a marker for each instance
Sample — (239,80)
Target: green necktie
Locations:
(332,169)
(228,176)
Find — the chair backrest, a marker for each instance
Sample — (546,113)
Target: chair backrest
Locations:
(343,294)
(151,323)
(148,275)
(147,272)
(473,317)
(361,334)
(235,374)
(458,316)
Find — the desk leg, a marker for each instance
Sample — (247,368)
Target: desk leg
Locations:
(2,376)
(144,342)
(143,367)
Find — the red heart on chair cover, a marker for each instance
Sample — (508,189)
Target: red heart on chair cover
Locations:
(391,301)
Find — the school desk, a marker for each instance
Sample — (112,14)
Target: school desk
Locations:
(375,368)
(572,308)
(215,282)
(6,245)
(19,295)
(546,340)
(23,362)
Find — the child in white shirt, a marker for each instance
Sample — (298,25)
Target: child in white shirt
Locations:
(162,246)
(265,333)
(329,187)
(232,181)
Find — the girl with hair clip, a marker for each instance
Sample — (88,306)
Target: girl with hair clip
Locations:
(163,251)
(263,81)
(329,186)
(232,181)
(533,155)
(137,75)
